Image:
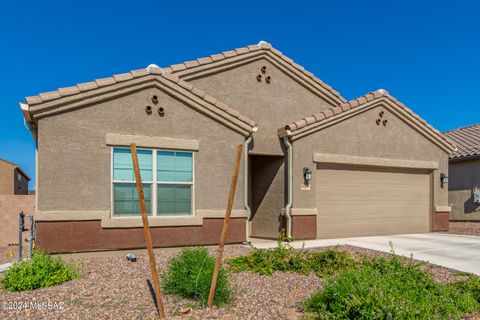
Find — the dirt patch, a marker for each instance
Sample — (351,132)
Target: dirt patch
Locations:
(114,288)
(9,254)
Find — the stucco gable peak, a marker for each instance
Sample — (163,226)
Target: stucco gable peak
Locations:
(185,68)
(359,103)
(151,70)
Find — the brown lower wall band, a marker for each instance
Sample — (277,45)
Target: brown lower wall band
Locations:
(304,227)
(79,236)
(441,221)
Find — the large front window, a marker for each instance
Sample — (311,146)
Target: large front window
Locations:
(167,179)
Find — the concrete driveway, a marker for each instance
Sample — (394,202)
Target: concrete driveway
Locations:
(452,251)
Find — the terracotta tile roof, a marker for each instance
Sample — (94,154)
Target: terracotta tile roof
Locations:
(356,103)
(150,70)
(467,140)
(262,45)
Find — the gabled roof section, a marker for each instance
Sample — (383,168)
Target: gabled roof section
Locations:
(16,166)
(467,140)
(186,68)
(315,121)
(55,101)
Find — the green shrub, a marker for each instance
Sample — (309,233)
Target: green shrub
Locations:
(285,258)
(267,261)
(329,261)
(470,286)
(41,271)
(189,275)
(387,288)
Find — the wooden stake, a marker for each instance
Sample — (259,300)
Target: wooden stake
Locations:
(146,229)
(226,221)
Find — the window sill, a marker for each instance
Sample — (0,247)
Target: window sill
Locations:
(135,222)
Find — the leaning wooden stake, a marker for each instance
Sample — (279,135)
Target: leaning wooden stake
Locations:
(146,229)
(231,197)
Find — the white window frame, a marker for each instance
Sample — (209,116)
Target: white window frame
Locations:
(154,183)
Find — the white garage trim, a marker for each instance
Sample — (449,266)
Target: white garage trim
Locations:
(375,162)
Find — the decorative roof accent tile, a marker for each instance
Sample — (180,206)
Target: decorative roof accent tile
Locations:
(262,45)
(358,102)
(467,140)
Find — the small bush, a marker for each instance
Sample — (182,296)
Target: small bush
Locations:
(470,286)
(329,261)
(381,288)
(285,258)
(41,271)
(189,275)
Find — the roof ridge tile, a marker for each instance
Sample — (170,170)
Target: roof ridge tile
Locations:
(150,70)
(262,45)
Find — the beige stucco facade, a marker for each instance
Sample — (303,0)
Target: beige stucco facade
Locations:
(74,146)
(464,176)
(76,130)
(272,105)
(361,136)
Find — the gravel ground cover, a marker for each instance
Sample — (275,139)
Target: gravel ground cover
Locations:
(113,288)
(466,228)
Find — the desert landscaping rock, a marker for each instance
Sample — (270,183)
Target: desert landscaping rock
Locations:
(114,288)
(465,228)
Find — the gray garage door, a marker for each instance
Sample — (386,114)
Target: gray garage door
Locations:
(363,202)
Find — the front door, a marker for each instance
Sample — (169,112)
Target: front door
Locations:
(267,195)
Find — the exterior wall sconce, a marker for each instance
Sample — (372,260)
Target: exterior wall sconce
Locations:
(443,179)
(307,175)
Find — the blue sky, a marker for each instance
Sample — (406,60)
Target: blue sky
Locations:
(425,53)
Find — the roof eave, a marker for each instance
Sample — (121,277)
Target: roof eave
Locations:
(464,158)
(337,114)
(201,65)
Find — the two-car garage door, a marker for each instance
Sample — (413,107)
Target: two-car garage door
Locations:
(356,201)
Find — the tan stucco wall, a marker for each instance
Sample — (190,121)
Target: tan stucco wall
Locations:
(6,178)
(360,136)
(272,105)
(463,177)
(10,207)
(74,162)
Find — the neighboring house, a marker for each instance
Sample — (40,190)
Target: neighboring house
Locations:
(14,198)
(13,180)
(464,174)
(314,164)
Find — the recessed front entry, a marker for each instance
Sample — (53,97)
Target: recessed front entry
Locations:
(267,195)
(364,201)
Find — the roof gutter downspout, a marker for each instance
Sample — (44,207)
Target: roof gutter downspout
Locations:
(246,147)
(288,207)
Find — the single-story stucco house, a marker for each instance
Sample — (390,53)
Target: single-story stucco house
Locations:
(314,164)
(464,174)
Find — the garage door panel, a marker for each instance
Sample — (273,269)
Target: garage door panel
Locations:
(366,229)
(360,201)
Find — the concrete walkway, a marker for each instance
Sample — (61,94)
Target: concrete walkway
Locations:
(452,251)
